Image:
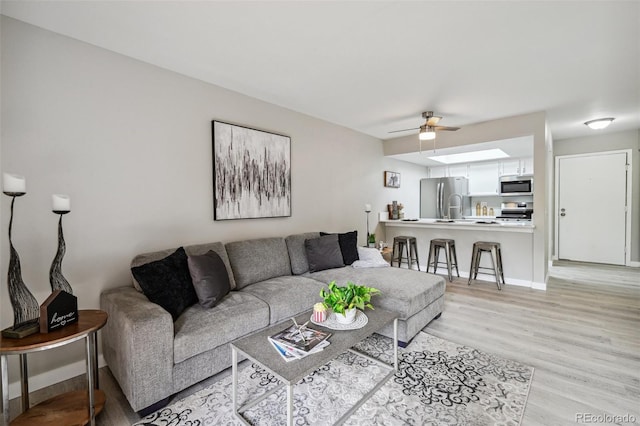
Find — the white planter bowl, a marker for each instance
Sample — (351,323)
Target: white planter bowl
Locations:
(347,318)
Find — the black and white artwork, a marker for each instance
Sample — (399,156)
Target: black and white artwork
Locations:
(251,173)
(392,179)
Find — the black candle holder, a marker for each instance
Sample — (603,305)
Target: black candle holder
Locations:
(26,311)
(56,279)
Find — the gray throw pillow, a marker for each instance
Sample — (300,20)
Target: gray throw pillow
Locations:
(348,246)
(323,253)
(210,278)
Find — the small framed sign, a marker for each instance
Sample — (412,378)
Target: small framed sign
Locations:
(60,309)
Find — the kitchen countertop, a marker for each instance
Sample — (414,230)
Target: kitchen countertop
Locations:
(464,224)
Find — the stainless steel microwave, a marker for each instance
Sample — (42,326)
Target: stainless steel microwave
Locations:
(516,185)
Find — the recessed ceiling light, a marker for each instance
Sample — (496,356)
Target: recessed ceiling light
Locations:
(599,123)
(469,157)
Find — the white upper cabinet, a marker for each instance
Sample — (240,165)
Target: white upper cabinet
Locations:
(483,178)
(436,172)
(459,170)
(510,167)
(527,165)
(516,166)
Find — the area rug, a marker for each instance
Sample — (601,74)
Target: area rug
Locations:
(437,383)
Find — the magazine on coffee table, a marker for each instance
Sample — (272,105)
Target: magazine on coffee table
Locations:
(301,338)
(289,353)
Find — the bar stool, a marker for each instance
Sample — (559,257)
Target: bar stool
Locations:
(450,256)
(496,261)
(399,245)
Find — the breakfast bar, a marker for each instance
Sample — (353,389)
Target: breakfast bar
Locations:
(515,238)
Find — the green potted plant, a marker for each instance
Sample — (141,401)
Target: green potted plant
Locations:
(344,301)
(371,242)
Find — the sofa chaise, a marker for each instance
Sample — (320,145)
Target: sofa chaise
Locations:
(153,356)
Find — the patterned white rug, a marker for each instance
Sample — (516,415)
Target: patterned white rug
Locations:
(438,383)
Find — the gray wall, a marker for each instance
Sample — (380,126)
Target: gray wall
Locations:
(131,144)
(612,142)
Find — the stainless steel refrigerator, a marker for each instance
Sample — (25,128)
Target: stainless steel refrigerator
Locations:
(444,198)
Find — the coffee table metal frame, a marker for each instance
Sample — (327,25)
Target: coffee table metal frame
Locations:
(257,348)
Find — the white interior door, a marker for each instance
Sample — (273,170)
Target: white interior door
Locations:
(592,208)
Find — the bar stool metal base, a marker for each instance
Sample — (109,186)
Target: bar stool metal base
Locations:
(405,244)
(451,259)
(496,261)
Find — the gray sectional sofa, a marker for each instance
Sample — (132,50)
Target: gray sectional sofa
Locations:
(152,357)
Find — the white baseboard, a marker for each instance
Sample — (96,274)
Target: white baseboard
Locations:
(508,280)
(634,264)
(52,377)
(539,286)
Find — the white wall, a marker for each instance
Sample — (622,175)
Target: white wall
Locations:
(611,142)
(131,144)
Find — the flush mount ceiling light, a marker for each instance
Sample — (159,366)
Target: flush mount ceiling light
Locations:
(427,132)
(468,157)
(599,123)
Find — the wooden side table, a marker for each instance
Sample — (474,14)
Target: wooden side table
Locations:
(68,408)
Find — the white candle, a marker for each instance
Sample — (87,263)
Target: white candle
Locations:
(13,183)
(367,207)
(61,203)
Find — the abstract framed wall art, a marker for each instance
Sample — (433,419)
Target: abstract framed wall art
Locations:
(392,179)
(251,173)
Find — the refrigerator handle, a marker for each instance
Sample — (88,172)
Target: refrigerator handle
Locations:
(439,200)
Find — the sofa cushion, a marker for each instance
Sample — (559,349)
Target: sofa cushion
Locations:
(209,277)
(297,252)
(348,245)
(167,282)
(403,291)
(286,296)
(257,260)
(197,249)
(199,329)
(323,253)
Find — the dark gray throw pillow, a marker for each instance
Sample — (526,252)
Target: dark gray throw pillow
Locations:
(210,278)
(348,245)
(323,253)
(167,282)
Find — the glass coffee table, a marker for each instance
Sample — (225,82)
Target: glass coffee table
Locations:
(257,348)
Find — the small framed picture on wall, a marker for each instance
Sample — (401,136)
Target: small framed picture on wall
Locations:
(391,179)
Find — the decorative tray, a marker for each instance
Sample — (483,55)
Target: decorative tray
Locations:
(332,323)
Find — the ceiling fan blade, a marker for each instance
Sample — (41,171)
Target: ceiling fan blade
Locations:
(405,130)
(447,128)
(433,120)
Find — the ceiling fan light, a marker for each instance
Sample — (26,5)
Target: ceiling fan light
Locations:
(599,123)
(427,133)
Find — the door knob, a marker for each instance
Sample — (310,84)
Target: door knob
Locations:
(562,214)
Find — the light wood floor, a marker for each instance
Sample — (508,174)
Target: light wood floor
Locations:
(582,336)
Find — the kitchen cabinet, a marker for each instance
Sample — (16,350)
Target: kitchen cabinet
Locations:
(516,166)
(510,167)
(458,170)
(483,178)
(527,165)
(439,171)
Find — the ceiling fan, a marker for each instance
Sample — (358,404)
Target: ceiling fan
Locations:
(428,129)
